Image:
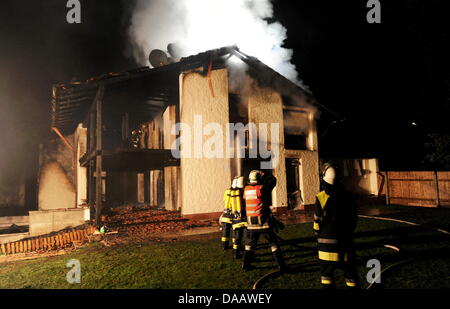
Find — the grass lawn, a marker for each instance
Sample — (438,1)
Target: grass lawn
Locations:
(199,262)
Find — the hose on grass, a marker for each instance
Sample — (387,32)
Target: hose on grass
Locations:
(394,248)
(406,222)
(403,261)
(271,274)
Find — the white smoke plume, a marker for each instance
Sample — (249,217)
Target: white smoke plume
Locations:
(201,25)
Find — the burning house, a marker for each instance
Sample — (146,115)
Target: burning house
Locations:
(133,137)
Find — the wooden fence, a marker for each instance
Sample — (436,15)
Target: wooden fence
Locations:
(45,242)
(427,189)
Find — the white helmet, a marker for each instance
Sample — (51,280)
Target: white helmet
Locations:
(329,174)
(240,182)
(254,177)
(234,183)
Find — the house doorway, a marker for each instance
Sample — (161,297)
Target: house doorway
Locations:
(295,199)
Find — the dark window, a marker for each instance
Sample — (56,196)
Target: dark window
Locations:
(296,127)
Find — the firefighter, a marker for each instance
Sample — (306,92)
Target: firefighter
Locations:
(335,219)
(257,207)
(239,218)
(226,219)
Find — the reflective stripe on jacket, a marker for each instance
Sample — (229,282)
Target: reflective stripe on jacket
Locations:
(332,245)
(319,213)
(257,211)
(253,201)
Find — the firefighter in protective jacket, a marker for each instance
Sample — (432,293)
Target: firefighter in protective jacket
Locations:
(257,196)
(239,217)
(226,219)
(335,219)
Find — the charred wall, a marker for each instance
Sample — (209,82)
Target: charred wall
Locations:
(57,188)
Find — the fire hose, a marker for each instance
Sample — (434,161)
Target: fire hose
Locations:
(257,284)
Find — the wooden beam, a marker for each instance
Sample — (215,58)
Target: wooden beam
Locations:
(72,102)
(90,149)
(147,187)
(98,165)
(76,95)
(388,198)
(436,185)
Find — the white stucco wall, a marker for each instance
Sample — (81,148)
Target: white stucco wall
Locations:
(56,191)
(309,173)
(312,141)
(309,162)
(57,176)
(48,221)
(204,180)
(360,175)
(372,165)
(265,106)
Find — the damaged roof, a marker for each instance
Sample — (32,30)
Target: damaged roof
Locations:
(156,86)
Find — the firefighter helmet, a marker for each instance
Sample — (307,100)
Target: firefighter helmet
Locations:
(240,182)
(329,174)
(254,177)
(234,183)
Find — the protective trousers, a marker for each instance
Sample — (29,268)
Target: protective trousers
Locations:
(252,241)
(348,265)
(226,234)
(238,236)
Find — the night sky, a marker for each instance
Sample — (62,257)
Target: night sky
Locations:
(380,77)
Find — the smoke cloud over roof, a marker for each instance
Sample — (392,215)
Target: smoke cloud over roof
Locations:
(200,25)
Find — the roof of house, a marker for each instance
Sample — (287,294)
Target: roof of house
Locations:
(71,101)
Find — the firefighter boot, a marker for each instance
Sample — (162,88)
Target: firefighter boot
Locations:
(329,286)
(352,284)
(226,245)
(282,267)
(248,258)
